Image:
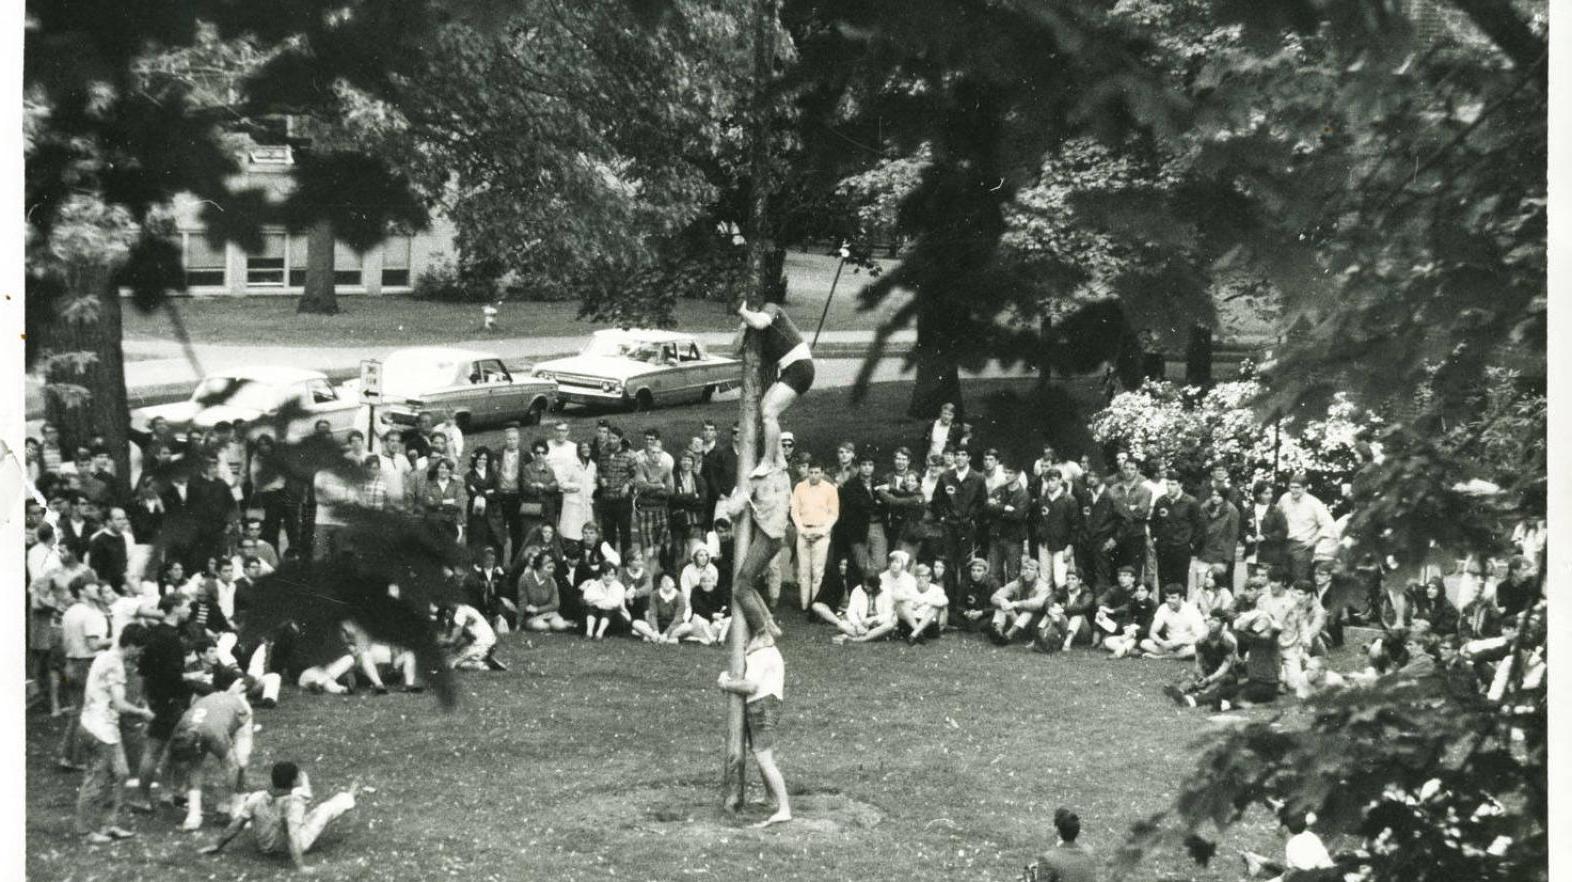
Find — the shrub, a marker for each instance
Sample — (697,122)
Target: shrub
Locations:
(445,282)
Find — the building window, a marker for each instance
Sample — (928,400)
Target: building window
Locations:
(297,261)
(267,267)
(204,263)
(346,265)
(395,262)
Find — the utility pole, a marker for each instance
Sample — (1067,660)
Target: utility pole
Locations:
(734,782)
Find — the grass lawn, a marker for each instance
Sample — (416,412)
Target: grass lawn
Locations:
(599,761)
(401,320)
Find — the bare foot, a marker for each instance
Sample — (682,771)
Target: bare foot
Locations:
(779,817)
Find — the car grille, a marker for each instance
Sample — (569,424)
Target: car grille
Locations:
(578,380)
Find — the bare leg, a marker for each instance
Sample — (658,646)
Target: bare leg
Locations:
(777,785)
(776,399)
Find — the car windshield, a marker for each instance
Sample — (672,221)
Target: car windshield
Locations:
(612,347)
(239,392)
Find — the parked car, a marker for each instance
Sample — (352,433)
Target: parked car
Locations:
(640,369)
(476,388)
(259,395)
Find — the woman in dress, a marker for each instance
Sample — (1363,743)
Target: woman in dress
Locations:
(576,482)
(689,498)
(485,517)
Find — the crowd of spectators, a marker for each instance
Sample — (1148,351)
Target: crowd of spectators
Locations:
(615,536)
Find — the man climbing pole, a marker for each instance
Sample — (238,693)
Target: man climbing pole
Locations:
(786,353)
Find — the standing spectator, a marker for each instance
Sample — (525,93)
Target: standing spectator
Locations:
(452,436)
(942,434)
(855,515)
(845,463)
(48,598)
(690,505)
(84,632)
(881,539)
(146,512)
(1056,526)
(1008,507)
(110,550)
(1221,543)
(483,526)
(577,482)
(1308,522)
(958,501)
(76,525)
(815,510)
(538,491)
(1099,535)
(373,490)
(44,554)
(1132,508)
(270,492)
(510,482)
(1265,532)
(1178,532)
(720,463)
(49,449)
(164,686)
(652,486)
(215,511)
(443,501)
(98,801)
(615,477)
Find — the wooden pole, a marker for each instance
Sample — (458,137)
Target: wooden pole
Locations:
(734,778)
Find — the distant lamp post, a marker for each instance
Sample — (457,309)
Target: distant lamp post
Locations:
(845,254)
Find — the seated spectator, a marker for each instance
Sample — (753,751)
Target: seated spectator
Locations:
(1216,656)
(1176,627)
(709,609)
(1480,620)
(1137,623)
(1256,634)
(665,616)
(920,607)
(539,602)
(1079,606)
(206,672)
(973,597)
(639,581)
(1113,608)
(485,588)
(1300,633)
(1018,603)
(870,614)
(830,601)
(1433,606)
(699,563)
(1053,628)
(605,604)
(1318,678)
(1212,593)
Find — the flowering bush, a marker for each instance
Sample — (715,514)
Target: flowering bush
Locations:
(1189,428)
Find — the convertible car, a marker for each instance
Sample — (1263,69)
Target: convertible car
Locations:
(639,369)
(475,387)
(259,395)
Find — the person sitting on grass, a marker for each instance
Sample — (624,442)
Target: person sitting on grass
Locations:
(1176,627)
(217,725)
(699,563)
(1079,607)
(666,616)
(1216,656)
(1068,861)
(1304,854)
(1137,625)
(870,614)
(539,601)
(829,603)
(1212,592)
(1053,628)
(1257,635)
(1113,608)
(605,604)
(920,607)
(1432,605)
(1018,603)
(709,610)
(974,596)
(280,818)
(763,684)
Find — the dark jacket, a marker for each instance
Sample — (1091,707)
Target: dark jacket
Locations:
(720,470)
(1008,509)
(107,554)
(857,510)
(1272,549)
(1099,520)
(960,500)
(688,506)
(1058,521)
(1222,533)
(1178,523)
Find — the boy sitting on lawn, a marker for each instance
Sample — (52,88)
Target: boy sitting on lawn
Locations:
(279,816)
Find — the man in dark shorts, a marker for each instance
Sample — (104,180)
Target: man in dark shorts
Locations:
(783,347)
(163,666)
(763,685)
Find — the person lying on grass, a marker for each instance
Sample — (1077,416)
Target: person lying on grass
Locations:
(763,684)
(280,819)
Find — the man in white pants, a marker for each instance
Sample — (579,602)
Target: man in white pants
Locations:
(279,817)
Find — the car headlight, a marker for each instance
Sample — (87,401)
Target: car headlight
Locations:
(610,386)
(545,375)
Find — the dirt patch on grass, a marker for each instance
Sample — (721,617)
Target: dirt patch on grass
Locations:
(692,814)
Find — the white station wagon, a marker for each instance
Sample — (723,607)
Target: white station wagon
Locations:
(640,369)
(259,395)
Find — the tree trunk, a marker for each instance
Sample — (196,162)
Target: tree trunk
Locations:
(104,410)
(938,373)
(1198,358)
(320,297)
(761,260)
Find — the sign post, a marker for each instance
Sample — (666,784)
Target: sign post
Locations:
(371,394)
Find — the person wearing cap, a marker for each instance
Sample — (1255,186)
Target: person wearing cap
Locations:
(216,725)
(1309,524)
(783,347)
(1068,860)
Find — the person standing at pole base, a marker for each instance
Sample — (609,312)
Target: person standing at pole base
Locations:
(783,347)
(763,686)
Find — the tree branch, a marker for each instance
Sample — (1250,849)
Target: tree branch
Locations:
(1511,34)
